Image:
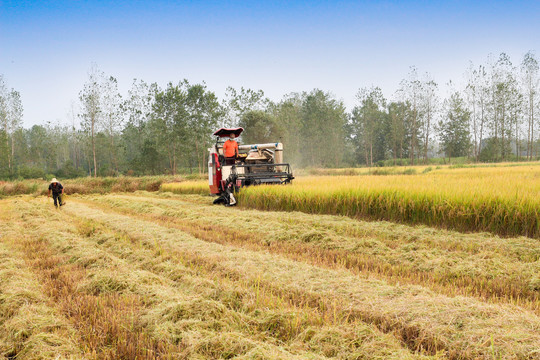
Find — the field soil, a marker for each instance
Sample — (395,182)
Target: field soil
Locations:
(156,275)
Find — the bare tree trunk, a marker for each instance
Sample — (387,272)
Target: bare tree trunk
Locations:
(532,126)
(94,147)
(503,125)
(481,130)
(197,153)
(77,155)
(528,136)
(12,149)
(113,154)
(427,137)
(174,160)
(7,143)
(89,163)
(517,140)
(529,132)
(371,153)
(367,155)
(169,155)
(475,129)
(413,137)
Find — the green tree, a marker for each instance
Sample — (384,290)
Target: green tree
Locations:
(137,109)
(4,151)
(398,113)
(430,104)
(4,148)
(367,119)
(259,127)
(287,116)
(41,149)
(504,98)
(170,122)
(205,113)
(91,108)
(112,119)
(238,102)
(454,129)
(530,84)
(323,124)
(411,91)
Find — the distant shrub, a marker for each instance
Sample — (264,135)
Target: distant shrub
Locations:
(27,172)
(411,171)
(381,172)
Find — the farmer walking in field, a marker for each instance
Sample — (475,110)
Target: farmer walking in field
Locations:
(230,150)
(57,190)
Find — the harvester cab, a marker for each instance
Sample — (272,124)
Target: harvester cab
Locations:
(252,165)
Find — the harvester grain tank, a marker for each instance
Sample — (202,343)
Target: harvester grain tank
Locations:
(254,164)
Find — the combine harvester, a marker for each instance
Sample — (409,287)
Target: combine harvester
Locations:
(253,165)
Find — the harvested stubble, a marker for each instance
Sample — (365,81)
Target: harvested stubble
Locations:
(30,328)
(105,321)
(461,327)
(500,200)
(183,300)
(492,268)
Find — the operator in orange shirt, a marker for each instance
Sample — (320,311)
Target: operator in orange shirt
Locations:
(230,150)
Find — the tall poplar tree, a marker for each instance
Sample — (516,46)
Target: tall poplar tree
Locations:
(454,128)
(411,91)
(91,108)
(366,119)
(530,83)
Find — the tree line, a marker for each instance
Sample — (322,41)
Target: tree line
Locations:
(166,130)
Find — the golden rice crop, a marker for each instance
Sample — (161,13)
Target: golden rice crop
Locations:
(502,200)
(187,187)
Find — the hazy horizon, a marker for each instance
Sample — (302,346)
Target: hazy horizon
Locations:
(279,47)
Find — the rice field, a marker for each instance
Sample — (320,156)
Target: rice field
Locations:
(405,274)
(503,199)
(157,275)
(500,200)
(187,187)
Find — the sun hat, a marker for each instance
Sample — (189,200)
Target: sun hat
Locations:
(54,180)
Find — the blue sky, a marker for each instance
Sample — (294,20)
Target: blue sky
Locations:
(47,47)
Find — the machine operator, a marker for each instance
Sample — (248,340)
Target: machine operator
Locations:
(230,150)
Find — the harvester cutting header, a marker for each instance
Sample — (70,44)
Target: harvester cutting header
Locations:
(232,166)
